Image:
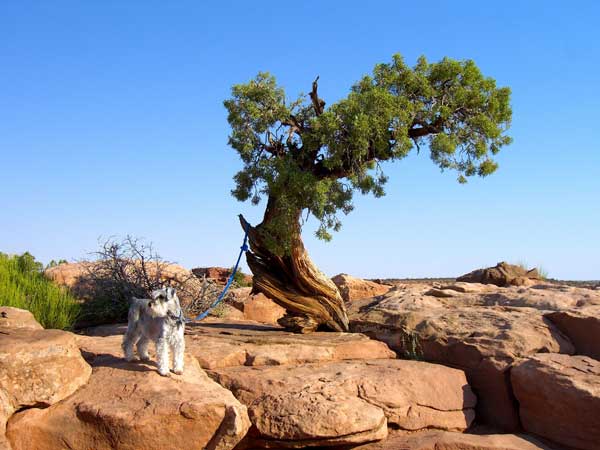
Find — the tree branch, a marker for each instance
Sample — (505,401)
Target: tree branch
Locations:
(318,103)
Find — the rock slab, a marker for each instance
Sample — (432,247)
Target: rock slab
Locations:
(481,333)
(582,326)
(444,440)
(12,318)
(37,367)
(559,398)
(348,402)
(352,288)
(503,274)
(130,406)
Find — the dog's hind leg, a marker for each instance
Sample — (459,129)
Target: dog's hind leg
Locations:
(133,333)
(142,348)
(129,340)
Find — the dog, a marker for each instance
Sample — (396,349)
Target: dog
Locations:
(159,319)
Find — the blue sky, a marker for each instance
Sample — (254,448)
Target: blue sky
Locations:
(111,122)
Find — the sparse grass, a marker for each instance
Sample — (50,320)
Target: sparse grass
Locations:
(543,272)
(541,269)
(412,347)
(23,285)
(219,311)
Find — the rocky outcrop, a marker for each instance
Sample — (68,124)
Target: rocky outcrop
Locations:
(445,440)
(503,274)
(129,406)
(218,274)
(218,345)
(582,326)
(38,367)
(12,318)
(352,288)
(482,333)
(348,402)
(254,307)
(559,398)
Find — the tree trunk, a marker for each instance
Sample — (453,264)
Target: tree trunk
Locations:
(293,281)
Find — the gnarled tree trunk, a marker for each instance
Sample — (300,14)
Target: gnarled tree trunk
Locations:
(293,281)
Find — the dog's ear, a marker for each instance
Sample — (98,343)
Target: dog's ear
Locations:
(171,292)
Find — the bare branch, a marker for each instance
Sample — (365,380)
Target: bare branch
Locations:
(318,103)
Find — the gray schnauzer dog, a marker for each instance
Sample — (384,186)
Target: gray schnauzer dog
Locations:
(159,319)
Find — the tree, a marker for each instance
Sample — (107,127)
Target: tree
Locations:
(307,159)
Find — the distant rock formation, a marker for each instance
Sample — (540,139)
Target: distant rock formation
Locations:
(503,274)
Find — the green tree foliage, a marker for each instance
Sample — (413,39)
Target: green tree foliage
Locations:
(308,158)
(23,285)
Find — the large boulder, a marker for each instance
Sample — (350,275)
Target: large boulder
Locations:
(503,274)
(582,326)
(352,288)
(348,402)
(446,440)
(38,368)
(12,318)
(130,406)
(470,331)
(559,398)
(254,307)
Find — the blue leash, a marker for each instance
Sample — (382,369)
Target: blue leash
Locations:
(243,248)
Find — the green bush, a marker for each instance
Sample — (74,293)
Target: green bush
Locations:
(239,278)
(23,285)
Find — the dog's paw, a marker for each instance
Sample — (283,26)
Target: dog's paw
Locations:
(130,358)
(178,371)
(145,358)
(164,373)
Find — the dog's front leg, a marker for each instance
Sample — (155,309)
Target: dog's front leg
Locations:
(178,350)
(162,355)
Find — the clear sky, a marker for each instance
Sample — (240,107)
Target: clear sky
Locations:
(111,122)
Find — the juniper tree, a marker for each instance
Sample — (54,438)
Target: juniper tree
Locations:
(309,159)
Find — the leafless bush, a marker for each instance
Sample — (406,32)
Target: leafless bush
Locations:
(122,269)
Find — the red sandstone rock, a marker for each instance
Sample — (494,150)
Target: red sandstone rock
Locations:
(444,440)
(469,331)
(348,402)
(559,398)
(352,288)
(37,367)
(130,407)
(12,318)
(582,326)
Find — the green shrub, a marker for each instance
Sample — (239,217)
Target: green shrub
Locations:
(23,285)
(239,278)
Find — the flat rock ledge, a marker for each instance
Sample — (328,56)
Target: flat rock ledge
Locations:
(445,440)
(347,402)
(37,367)
(217,343)
(559,398)
(481,329)
(130,406)
(12,318)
